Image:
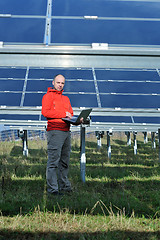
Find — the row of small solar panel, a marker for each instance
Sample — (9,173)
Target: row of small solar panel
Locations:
(76,86)
(101,8)
(80,73)
(110,119)
(85,100)
(117,22)
(28,30)
(12,135)
(114,87)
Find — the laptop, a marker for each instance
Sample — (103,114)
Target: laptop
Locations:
(76,120)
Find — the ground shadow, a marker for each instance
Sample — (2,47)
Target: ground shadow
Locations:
(18,151)
(97,235)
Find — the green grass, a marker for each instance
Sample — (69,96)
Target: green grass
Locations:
(119,200)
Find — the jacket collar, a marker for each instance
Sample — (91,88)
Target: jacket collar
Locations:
(50,89)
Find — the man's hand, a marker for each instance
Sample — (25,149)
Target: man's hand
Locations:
(68,115)
(81,120)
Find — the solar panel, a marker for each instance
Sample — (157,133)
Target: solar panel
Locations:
(12,85)
(11,72)
(26,88)
(130,101)
(128,75)
(114,22)
(103,8)
(18,30)
(49,73)
(71,29)
(10,99)
(23,7)
(109,31)
(20,117)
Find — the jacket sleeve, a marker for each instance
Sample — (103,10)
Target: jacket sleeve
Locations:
(48,110)
(70,108)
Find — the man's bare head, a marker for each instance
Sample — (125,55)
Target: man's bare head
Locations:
(58,82)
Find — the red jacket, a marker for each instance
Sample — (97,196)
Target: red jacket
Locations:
(54,108)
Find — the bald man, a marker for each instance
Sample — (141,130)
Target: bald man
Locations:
(56,106)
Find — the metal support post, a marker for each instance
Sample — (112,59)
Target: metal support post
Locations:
(23,135)
(135,142)
(99,143)
(128,138)
(109,133)
(145,138)
(99,135)
(82,154)
(153,140)
(25,144)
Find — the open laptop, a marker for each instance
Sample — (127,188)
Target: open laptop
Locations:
(76,120)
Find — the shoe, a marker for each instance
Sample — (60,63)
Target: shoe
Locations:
(55,193)
(67,190)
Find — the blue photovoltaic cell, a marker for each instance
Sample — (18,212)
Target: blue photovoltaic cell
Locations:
(12,73)
(10,99)
(42,73)
(33,99)
(70,86)
(83,100)
(11,85)
(79,86)
(112,32)
(129,87)
(23,7)
(138,75)
(147,120)
(68,73)
(128,101)
(103,8)
(38,85)
(77,74)
(20,117)
(43,118)
(111,119)
(22,30)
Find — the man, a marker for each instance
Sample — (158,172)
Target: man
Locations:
(56,106)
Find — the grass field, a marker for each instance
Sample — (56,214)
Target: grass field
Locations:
(119,200)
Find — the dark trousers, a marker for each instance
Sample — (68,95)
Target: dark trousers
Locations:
(59,146)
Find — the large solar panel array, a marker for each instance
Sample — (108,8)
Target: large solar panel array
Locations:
(117,24)
(114,22)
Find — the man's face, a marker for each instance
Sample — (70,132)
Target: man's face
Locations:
(59,82)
